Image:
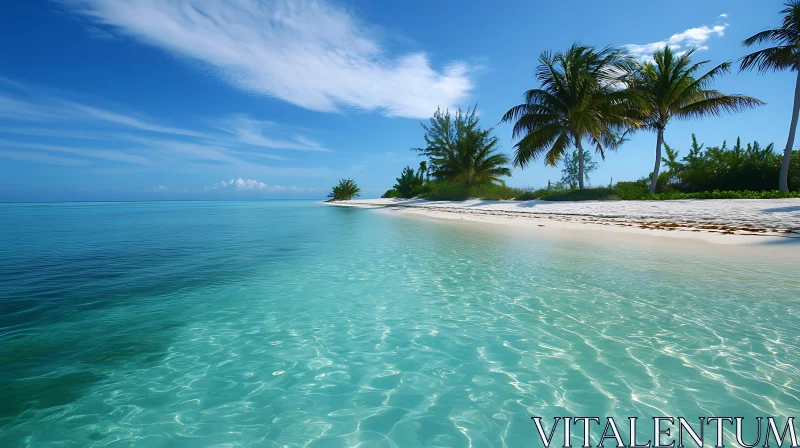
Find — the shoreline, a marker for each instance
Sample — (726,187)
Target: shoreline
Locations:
(719,221)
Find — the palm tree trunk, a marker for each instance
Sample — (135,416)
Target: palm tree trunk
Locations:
(580,162)
(783,180)
(654,179)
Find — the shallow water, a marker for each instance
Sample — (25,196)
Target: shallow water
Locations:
(290,324)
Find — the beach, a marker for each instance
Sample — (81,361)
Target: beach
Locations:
(723,221)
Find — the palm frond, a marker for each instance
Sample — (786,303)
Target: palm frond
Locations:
(715,104)
(581,94)
(778,35)
(771,59)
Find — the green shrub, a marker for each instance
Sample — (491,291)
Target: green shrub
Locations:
(529,195)
(442,191)
(345,190)
(391,194)
(409,184)
(631,190)
(740,168)
(639,190)
(587,194)
(716,194)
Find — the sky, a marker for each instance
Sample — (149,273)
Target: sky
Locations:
(254,99)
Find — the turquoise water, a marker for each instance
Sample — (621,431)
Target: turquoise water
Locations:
(295,324)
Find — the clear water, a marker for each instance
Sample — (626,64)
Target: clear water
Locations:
(295,324)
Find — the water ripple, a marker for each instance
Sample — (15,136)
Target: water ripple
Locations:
(290,324)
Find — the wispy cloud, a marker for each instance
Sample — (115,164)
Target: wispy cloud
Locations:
(249,131)
(94,113)
(102,134)
(308,53)
(45,132)
(41,158)
(111,155)
(29,105)
(681,42)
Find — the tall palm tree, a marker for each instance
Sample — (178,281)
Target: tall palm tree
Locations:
(670,88)
(579,99)
(785,55)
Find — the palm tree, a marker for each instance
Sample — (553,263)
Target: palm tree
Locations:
(459,151)
(473,160)
(785,55)
(579,99)
(345,190)
(670,88)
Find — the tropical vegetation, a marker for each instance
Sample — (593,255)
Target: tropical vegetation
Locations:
(589,100)
(784,55)
(670,87)
(345,190)
(459,151)
(570,174)
(410,183)
(461,161)
(742,167)
(743,171)
(579,100)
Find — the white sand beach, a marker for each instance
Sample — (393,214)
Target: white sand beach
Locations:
(725,221)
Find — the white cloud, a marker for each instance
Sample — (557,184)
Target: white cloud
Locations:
(723,15)
(245,184)
(308,53)
(162,188)
(681,42)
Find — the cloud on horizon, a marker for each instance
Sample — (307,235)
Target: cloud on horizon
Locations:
(241,184)
(308,53)
(680,42)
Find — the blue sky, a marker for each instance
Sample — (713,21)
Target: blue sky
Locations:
(246,99)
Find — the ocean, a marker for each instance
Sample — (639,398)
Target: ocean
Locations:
(290,323)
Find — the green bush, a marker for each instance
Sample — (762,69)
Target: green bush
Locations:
(409,184)
(442,191)
(587,194)
(716,194)
(345,190)
(529,195)
(391,194)
(631,190)
(638,190)
(740,168)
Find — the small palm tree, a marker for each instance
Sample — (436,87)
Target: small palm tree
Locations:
(473,160)
(459,151)
(785,55)
(409,183)
(345,190)
(579,100)
(670,88)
